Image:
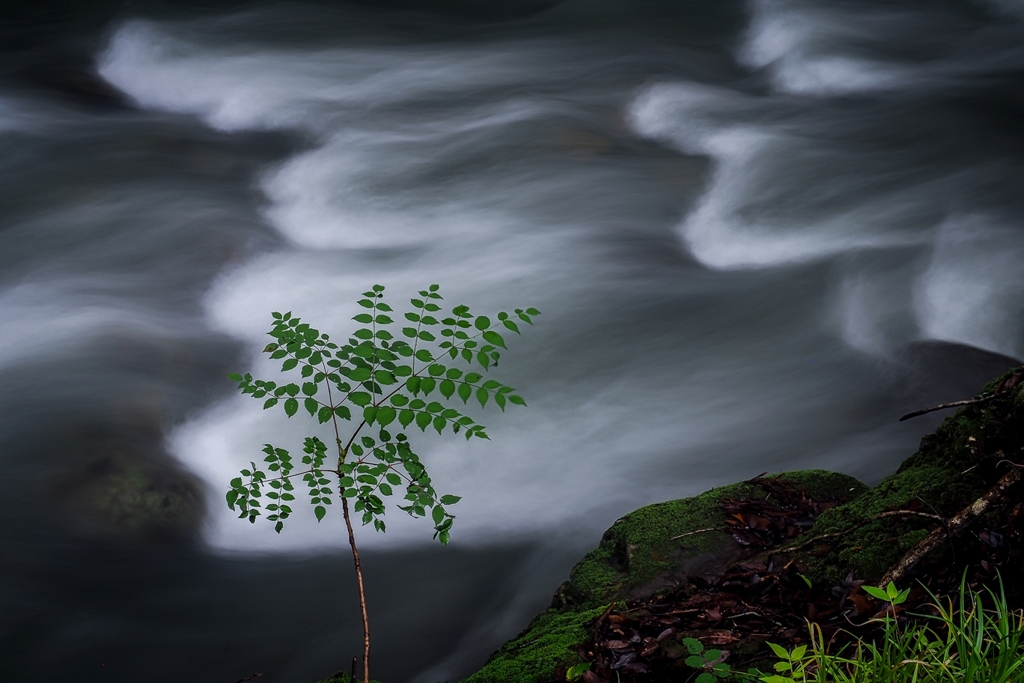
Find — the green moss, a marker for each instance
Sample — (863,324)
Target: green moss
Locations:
(638,554)
(533,655)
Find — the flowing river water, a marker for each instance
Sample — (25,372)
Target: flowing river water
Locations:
(759,232)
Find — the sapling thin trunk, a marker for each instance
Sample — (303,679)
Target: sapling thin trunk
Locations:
(362,590)
(377,374)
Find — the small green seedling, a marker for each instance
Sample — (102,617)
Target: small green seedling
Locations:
(575,672)
(375,380)
(709,662)
(888,594)
(791,668)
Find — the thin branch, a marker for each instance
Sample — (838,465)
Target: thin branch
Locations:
(954,404)
(248,678)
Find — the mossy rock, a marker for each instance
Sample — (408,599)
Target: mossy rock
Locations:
(532,656)
(953,467)
(642,553)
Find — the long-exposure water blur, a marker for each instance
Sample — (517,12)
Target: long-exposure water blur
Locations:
(759,231)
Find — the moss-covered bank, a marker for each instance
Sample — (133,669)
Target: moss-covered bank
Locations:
(666,545)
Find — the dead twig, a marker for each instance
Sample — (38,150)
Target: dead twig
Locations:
(955,404)
(953,526)
(693,533)
(248,678)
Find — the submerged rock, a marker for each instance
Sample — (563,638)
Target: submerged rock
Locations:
(119,485)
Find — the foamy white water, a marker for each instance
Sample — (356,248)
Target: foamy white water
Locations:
(386,122)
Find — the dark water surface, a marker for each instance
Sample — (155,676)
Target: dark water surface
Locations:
(758,232)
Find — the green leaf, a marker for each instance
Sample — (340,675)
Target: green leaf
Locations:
(465,391)
(493,337)
(533,311)
(309,388)
(695,661)
(343,412)
(365,303)
(235,377)
(482,323)
(369,414)
(270,403)
(481,395)
(423,420)
(797,654)
(511,325)
(712,655)
(384,377)
(405,417)
(518,400)
(324,415)
(437,514)
(386,415)
(500,400)
(450,500)
(364,318)
(779,651)
(383,320)
(396,480)
(424,356)
(289,364)
(291,406)
(413,384)
(447,388)
(360,398)
(359,374)
(693,646)
(439,423)
(319,511)
(311,405)
(877,593)
(705,677)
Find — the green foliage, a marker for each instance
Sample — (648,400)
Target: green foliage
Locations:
(384,379)
(708,662)
(968,643)
(889,594)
